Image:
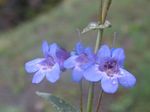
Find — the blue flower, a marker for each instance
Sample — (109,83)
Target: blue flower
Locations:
(80,59)
(50,66)
(109,69)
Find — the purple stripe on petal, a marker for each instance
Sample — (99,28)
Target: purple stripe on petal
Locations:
(77,74)
(38,77)
(53,74)
(109,85)
(127,79)
(92,74)
(32,66)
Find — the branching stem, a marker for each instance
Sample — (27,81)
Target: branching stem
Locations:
(103,13)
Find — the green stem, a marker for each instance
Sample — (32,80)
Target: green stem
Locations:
(90,97)
(99,101)
(99,40)
(103,14)
(105,10)
(91,86)
(81,97)
(101,10)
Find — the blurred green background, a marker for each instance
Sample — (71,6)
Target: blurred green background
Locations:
(19,44)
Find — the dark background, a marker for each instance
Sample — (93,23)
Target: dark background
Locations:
(13,12)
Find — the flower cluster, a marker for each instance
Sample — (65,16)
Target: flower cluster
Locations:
(105,66)
(50,66)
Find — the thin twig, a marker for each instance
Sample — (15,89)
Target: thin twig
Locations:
(81,97)
(90,97)
(99,101)
(114,39)
(101,11)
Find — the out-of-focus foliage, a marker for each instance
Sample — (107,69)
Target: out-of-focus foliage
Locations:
(10,109)
(129,18)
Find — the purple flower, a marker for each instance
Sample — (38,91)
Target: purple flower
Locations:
(80,60)
(109,69)
(49,66)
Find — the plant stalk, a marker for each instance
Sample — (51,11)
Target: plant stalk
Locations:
(99,101)
(97,45)
(81,97)
(104,11)
(90,97)
(91,86)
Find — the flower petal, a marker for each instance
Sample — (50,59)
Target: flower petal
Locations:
(53,49)
(31,66)
(79,48)
(45,48)
(109,85)
(127,80)
(104,52)
(70,62)
(77,74)
(61,55)
(119,55)
(38,77)
(54,74)
(92,74)
(88,51)
(87,65)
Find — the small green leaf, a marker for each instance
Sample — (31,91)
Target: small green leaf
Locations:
(59,104)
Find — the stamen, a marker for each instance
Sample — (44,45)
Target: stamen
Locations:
(110,66)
